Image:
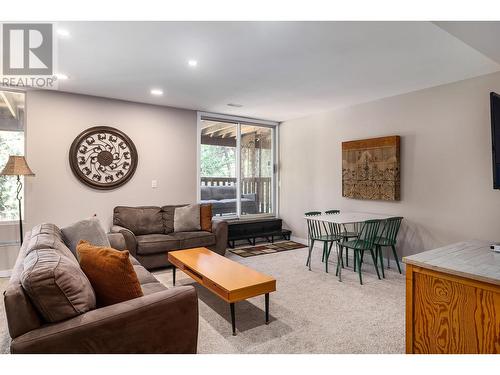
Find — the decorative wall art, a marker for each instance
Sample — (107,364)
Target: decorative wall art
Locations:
(103,157)
(371,169)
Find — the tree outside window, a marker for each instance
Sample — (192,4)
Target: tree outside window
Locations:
(11,143)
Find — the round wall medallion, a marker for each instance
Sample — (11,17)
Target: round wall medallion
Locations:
(103,157)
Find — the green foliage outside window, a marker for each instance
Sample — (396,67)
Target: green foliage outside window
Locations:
(218,161)
(11,143)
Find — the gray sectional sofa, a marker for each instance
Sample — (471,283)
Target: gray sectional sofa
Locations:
(223,200)
(162,321)
(149,234)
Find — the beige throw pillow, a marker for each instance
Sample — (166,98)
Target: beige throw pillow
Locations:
(187,218)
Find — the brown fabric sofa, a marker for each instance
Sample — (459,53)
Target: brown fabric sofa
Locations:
(162,321)
(149,234)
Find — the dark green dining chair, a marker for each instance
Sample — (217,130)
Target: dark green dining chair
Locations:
(310,213)
(313,213)
(387,238)
(364,242)
(346,234)
(332,212)
(322,232)
(334,235)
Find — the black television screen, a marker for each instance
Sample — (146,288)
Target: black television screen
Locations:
(495,137)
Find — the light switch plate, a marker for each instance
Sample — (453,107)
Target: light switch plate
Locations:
(154,184)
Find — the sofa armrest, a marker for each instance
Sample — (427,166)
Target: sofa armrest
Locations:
(162,322)
(129,236)
(117,241)
(220,229)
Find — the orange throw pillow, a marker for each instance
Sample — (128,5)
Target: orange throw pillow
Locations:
(206,217)
(110,273)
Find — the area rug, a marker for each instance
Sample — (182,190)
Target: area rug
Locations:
(269,248)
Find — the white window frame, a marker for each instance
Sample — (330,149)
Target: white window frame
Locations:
(23,191)
(238,121)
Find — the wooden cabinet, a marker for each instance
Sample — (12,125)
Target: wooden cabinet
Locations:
(453,300)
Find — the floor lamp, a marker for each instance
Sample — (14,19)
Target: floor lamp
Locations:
(17,166)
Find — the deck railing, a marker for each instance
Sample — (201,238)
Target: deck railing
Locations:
(261,187)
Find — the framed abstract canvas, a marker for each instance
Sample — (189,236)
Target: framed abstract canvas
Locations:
(371,169)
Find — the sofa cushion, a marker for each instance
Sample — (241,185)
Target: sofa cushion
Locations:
(223,192)
(187,219)
(224,206)
(206,193)
(134,261)
(210,201)
(46,228)
(151,288)
(229,201)
(168,217)
(140,220)
(56,285)
(110,272)
(156,243)
(144,276)
(195,239)
(50,240)
(88,230)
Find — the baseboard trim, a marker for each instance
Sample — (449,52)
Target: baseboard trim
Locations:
(5,273)
(366,259)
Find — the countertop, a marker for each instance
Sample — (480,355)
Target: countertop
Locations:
(471,259)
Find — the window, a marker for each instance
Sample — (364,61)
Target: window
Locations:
(256,170)
(218,160)
(236,164)
(11,143)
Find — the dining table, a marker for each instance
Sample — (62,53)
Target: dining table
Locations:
(346,218)
(349,217)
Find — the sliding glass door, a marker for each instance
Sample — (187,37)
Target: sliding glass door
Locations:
(256,170)
(237,167)
(218,167)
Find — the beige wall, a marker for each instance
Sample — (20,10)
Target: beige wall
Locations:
(446,172)
(166,143)
(446,190)
(165,139)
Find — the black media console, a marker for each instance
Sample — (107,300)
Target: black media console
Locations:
(251,229)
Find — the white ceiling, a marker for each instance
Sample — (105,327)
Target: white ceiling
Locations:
(276,70)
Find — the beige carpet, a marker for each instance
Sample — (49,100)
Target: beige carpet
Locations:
(311,312)
(4,333)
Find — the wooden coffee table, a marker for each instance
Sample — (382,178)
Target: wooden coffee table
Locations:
(225,278)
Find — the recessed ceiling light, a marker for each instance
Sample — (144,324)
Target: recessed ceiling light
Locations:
(63,32)
(61,76)
(157,92)
(192,63)
(235,105)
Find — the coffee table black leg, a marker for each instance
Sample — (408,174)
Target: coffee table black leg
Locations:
(267,308)
(233,318)
(173,274)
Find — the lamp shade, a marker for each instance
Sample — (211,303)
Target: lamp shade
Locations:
(17,166)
